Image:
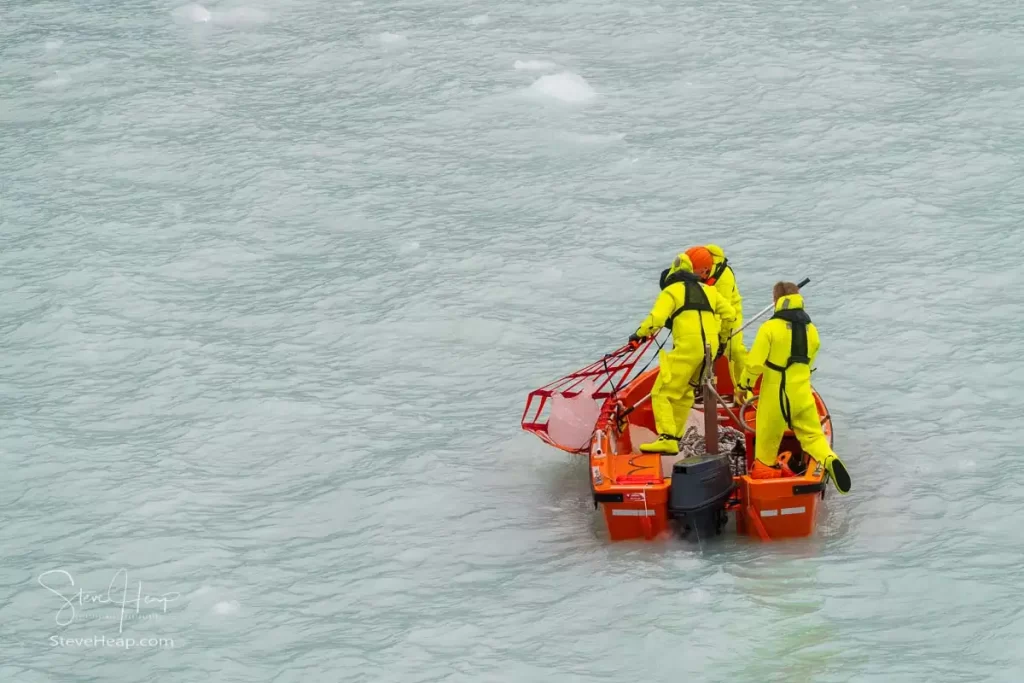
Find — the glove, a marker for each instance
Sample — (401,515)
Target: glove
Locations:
(636,340)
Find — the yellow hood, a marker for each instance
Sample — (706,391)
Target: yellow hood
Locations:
(716,253)
(683,263)
(790,302)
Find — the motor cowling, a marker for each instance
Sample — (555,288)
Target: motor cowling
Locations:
(701,487)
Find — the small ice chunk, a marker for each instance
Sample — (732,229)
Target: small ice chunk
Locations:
(193,12)
(533,65)
(565,87)
(393,41)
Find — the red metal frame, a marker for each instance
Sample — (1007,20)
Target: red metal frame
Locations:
(613,371)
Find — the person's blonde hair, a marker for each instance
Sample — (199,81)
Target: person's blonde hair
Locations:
(782,289)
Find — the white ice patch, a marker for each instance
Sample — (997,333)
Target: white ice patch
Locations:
(193,13)
(393,41)
(58,80)
(478,20)
(534,65)
(564,87)
(595,139)
(216,601)
(226,607)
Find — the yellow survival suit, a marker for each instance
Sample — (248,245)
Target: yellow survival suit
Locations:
(697,315)
(724,280)
(784,351)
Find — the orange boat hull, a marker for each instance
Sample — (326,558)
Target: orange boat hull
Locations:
(633,489)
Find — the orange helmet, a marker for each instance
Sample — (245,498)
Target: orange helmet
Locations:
(701,259)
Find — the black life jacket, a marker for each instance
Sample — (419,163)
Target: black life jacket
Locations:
(717,272)
(798,320)
(694,299)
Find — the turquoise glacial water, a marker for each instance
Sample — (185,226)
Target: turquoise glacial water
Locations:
(278,277)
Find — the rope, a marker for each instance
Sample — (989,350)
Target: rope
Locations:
(611,381)
(661,347)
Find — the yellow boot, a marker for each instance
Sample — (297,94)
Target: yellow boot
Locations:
(665,444)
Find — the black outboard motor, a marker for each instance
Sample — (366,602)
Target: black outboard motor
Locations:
(701,486)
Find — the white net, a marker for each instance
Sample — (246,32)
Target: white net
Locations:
(572,420)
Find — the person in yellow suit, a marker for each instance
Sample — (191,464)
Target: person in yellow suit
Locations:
(697,315)
(723,278)
(783,352)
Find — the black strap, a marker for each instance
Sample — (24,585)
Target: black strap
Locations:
(719,269)
(798,321)
(681,276)
(694,299)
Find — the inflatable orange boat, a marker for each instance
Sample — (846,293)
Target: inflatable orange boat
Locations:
(648,495)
